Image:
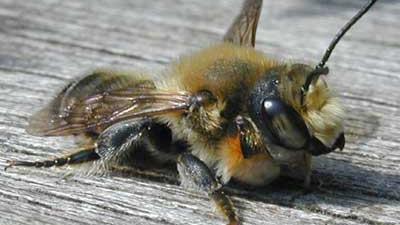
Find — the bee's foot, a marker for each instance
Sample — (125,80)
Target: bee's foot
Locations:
(10,163)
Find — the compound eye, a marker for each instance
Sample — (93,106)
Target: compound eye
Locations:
(283,124)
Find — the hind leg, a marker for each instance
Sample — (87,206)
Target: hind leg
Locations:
(110,144)
(118,141)
(81,156)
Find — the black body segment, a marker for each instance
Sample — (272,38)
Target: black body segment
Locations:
(146,135)
(160,144)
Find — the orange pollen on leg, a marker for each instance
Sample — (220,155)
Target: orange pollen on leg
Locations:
(234,151)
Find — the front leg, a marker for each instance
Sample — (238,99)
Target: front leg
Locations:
(308,171)
(194,174)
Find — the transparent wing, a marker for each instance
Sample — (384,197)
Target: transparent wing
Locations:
(244,27)
(95,102)
(97,112)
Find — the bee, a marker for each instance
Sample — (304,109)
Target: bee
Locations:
(226,112)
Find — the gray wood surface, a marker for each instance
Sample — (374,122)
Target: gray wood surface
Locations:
(45,43)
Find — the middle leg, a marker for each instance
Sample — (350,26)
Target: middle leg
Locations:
(196,175)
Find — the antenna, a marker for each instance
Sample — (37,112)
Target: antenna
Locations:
(342,31)
(320,69)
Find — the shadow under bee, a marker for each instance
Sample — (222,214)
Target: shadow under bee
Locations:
(331,177)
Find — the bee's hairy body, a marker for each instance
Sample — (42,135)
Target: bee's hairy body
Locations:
(227,112)
(226,71)
(230,72)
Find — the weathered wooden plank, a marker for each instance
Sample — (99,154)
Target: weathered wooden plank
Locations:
(43,45)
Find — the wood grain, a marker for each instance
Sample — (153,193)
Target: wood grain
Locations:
(45,43)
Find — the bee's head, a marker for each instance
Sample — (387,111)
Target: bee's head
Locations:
(294,117)
(294,108)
